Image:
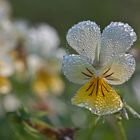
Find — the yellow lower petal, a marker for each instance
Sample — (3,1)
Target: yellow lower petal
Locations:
(97,96)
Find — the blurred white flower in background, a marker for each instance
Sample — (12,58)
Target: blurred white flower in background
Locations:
(11,102)
(7,36)
(44,59)
(5,9)
(42,40)
(7,44)
(34,63)
(28,54)
(37,55)
(6,66)
(6,70)
(20,28)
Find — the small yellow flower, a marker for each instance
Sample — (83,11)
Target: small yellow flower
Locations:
(45,76)
(45,82)
(102,61)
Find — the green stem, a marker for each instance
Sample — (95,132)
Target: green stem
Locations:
(92,128)
(121,129)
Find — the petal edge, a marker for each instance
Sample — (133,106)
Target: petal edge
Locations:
(77,68)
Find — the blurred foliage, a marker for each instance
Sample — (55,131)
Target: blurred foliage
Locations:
(64,13)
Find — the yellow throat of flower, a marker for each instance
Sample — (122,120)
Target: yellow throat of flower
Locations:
(99,97)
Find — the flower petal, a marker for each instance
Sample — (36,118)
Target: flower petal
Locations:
(77,68)
(120,70)
(84,37)
(97,96)
(116,39)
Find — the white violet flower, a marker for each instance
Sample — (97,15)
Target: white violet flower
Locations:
(102,61)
